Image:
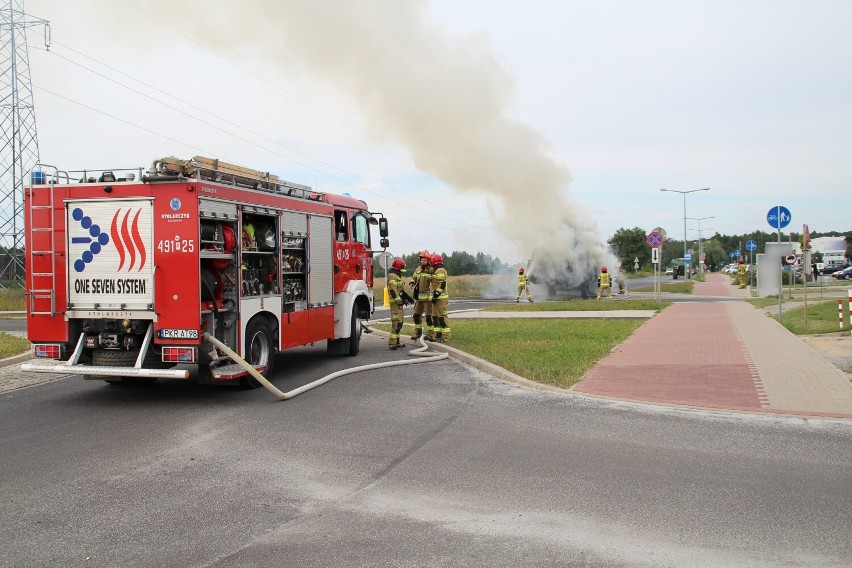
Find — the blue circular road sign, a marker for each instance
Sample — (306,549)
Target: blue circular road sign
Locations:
(751,245)
(778,217)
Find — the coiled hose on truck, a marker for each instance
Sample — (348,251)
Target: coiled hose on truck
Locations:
(419,352)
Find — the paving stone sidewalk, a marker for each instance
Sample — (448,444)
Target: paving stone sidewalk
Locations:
(721,355)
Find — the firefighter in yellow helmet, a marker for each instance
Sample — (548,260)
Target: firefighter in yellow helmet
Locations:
(742,273)
(604,282)
(398,299)
(421,282)
(440,299)
(523,286)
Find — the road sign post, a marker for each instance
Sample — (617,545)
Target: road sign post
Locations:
(779,217)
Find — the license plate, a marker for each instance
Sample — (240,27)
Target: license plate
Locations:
(179,333)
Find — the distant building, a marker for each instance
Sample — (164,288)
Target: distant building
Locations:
(833,249)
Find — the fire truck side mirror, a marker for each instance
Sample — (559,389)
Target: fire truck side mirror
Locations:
(384,243)
(383,228)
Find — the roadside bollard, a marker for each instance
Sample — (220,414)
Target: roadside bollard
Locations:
(840,314)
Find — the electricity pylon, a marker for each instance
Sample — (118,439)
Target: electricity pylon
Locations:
(18,140)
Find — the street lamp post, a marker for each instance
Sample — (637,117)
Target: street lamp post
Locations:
(685,271)
(700,250)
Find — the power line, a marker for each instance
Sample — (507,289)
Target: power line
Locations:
(246,140)
(201,150)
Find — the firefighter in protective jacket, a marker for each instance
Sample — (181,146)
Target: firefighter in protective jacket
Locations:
(523,286)
(742,273)
(398,299)
(440,299)
(604,282)
(421,282)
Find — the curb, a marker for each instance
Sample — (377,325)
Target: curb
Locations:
(15,359)
(484,366)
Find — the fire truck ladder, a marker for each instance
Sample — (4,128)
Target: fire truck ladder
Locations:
(42,285)
(212,169)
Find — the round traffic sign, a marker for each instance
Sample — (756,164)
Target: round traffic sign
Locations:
(385,260)
(751,245)
(790,259)
(655,239)
(778,217)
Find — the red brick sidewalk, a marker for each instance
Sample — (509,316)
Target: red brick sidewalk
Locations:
(688,354)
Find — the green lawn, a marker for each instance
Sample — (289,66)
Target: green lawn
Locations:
(674,287)
(12,299)
(822,318)
(11,345)
(552,352)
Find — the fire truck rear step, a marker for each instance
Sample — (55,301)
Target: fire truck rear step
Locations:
(234,371)
(65,368)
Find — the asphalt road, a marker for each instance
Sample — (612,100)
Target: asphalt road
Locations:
(431,464)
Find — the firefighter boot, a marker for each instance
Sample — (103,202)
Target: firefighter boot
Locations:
(439,337)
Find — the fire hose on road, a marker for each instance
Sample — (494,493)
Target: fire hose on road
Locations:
(421,352)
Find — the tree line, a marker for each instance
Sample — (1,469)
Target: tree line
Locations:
(630,244)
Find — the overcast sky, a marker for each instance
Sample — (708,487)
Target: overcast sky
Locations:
(750,98)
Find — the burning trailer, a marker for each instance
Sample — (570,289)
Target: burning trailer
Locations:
(566,273)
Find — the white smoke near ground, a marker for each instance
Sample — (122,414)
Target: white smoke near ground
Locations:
(445,98)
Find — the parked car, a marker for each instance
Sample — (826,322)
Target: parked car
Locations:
(669,271)
(844,274)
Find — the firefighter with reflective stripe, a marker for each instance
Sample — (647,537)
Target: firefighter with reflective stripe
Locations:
(523,286)
(604,281)
(742,273)
(421,282)
(440,299)
(397,294)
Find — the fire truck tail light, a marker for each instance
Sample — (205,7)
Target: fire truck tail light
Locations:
(47,351)
(179,354)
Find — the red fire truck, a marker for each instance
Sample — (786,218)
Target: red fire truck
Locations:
(128,269)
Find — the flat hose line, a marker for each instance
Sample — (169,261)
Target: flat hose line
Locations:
(419,352)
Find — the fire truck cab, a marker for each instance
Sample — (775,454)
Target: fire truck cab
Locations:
(127,270)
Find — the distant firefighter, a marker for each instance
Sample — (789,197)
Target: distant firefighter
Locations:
(604,281)
(523,286)
(619,279)
(742,273)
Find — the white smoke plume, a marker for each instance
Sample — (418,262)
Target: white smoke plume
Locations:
(445,98)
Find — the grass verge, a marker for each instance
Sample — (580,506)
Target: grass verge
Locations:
(822,318)
(11,345)
(12,299)
(555,352)
(674,287)
(579,306)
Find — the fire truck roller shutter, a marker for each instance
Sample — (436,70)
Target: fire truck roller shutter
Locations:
(321,255)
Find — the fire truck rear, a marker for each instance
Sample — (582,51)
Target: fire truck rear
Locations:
(127,270)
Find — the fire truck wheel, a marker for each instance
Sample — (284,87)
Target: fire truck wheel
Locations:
(260,350)
(354,333)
